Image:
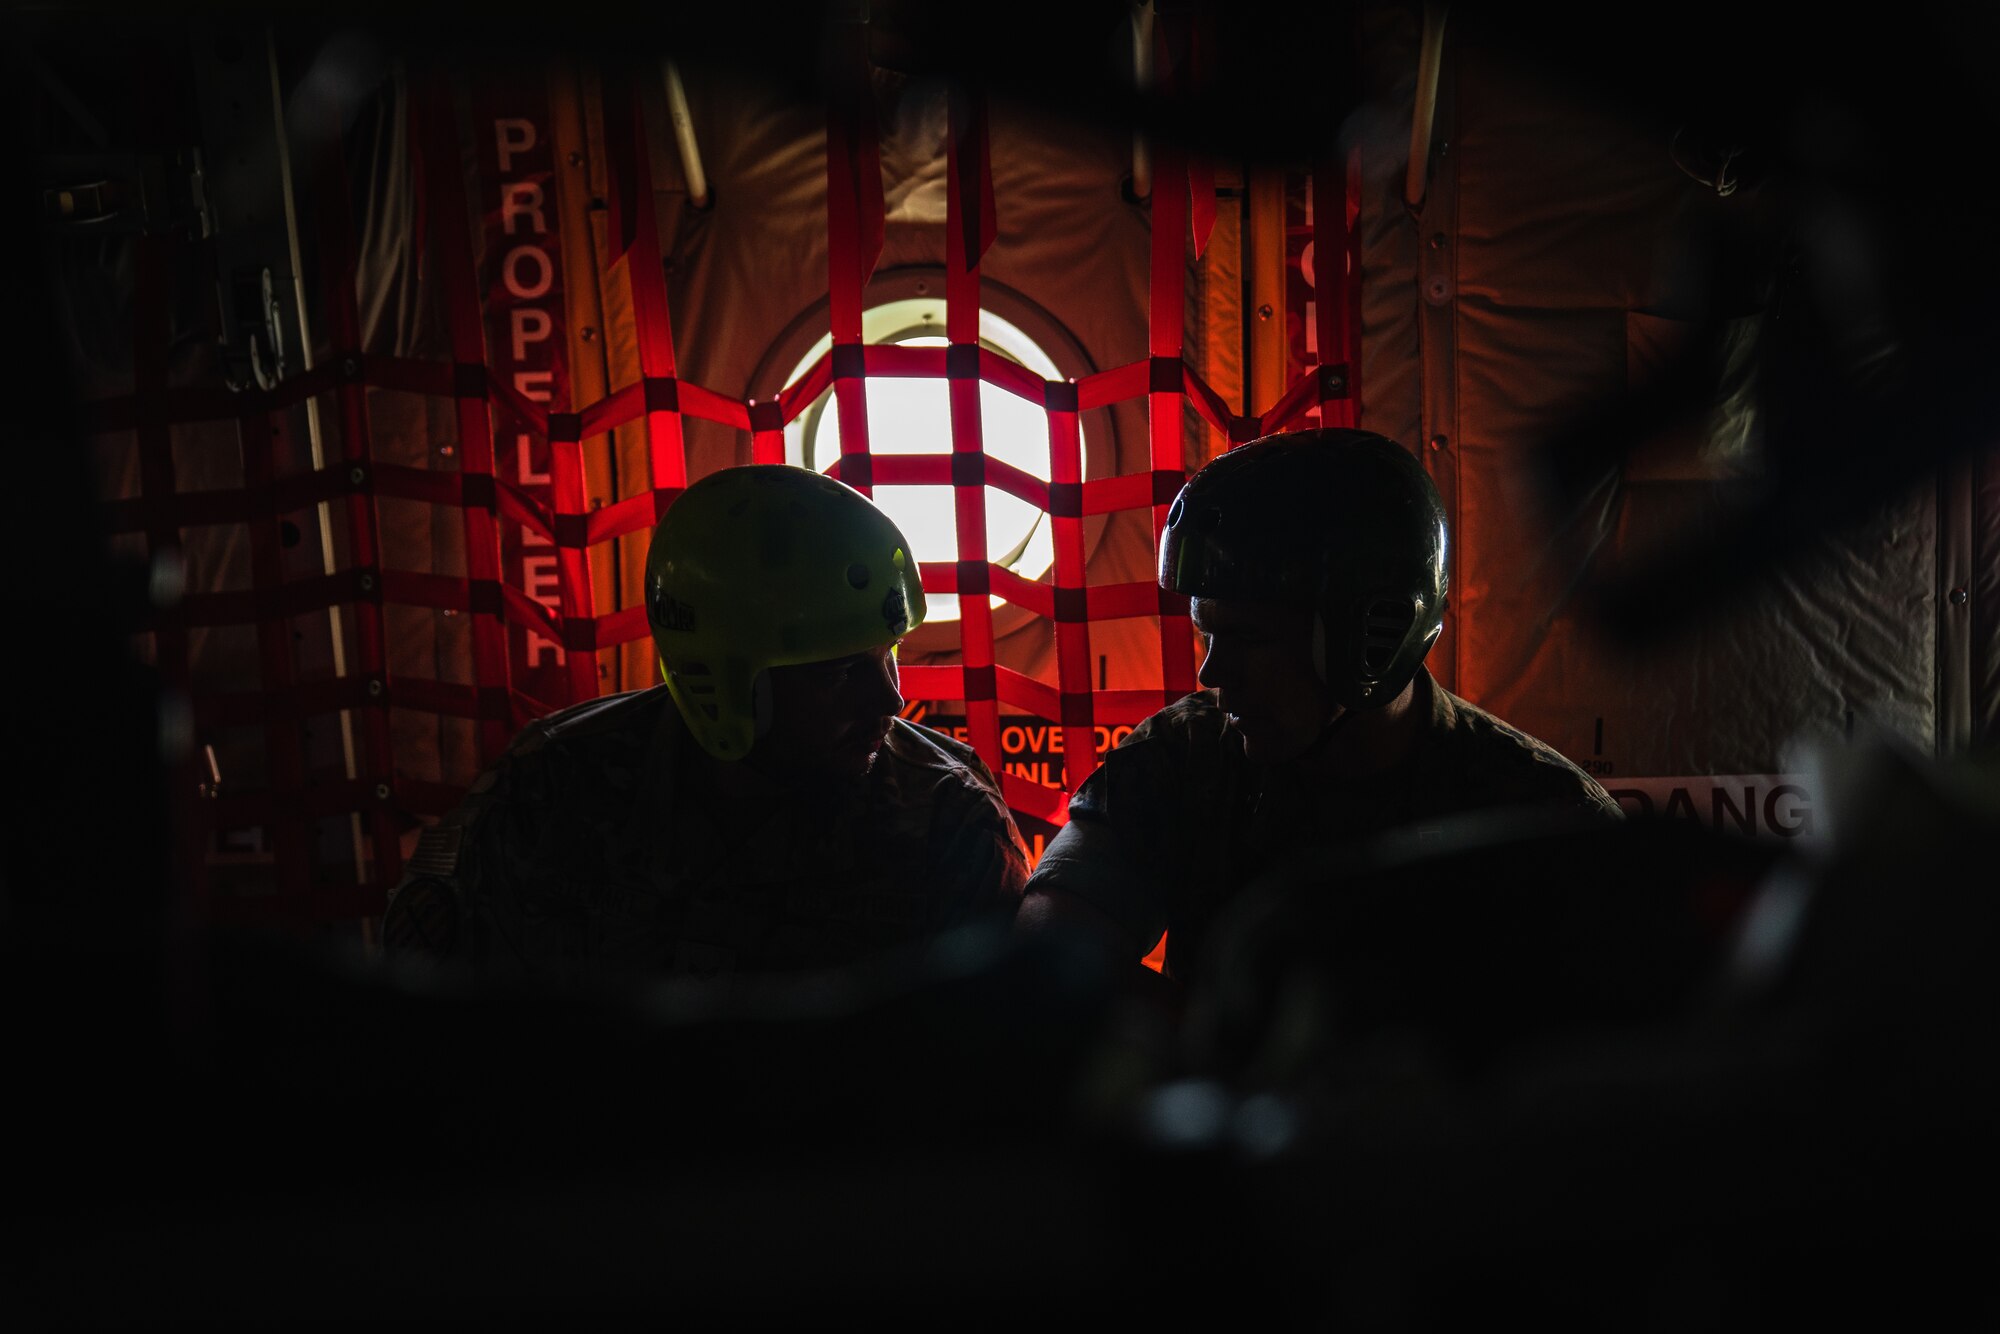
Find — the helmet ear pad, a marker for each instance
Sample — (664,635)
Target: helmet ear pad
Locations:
(1378,649)
(1374,644)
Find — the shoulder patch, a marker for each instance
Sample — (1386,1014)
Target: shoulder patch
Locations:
(437,850)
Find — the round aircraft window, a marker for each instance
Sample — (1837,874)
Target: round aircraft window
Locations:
(913,416)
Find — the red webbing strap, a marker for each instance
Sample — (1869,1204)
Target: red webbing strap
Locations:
(152,335)
(1047,804)
(854,223)
(1350,290)
(1072,604)
(408,375)
(1336,267)
(1349,286)
(434,129)
(1114,707)
(1295,403)
(968,229)
(624,516)
(522,610)
(1014,378)
(1201,170)
(1210,407)
(277,671)
(191,509)
(576,599)
(939,469)
(450,699)
(247,708)
(803,392)
(769,418)
(646,277)
(1165,318)
(767,446)
(183,404)
(614,410)
(882,361)
(296,597)
(1201,196)
(1103,388)
(339,270)
(1329,260)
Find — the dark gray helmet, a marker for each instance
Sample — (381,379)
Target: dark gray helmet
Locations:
(1341,523)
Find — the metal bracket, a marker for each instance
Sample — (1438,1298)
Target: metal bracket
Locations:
(247,186)
(120,194)
(253,344)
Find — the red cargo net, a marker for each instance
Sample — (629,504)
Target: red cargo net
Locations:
(355,482)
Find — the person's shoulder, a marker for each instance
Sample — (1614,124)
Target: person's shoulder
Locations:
(922,770)
(920,752)
(541,803)
(1196,717)
(1179,761)
(587,755)
(1496,761)
(625,717)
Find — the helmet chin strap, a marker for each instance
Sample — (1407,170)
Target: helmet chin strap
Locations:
(1341,715)
(1334,725)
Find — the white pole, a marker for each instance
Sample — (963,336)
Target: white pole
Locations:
(313,432)
(1142,78)
(677,112)
(1430,55)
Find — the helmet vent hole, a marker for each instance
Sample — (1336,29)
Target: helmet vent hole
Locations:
(857,575)
(1383,630)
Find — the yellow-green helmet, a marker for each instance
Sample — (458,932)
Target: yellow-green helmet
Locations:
(769,566)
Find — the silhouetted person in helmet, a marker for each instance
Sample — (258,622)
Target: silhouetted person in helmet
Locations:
(1316,567)
(763,810)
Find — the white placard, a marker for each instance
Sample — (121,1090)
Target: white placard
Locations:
(1785,806)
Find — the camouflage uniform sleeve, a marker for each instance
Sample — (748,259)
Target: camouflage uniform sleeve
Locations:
(489,884)
(1119,850)
(1541,775)
(977,853)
